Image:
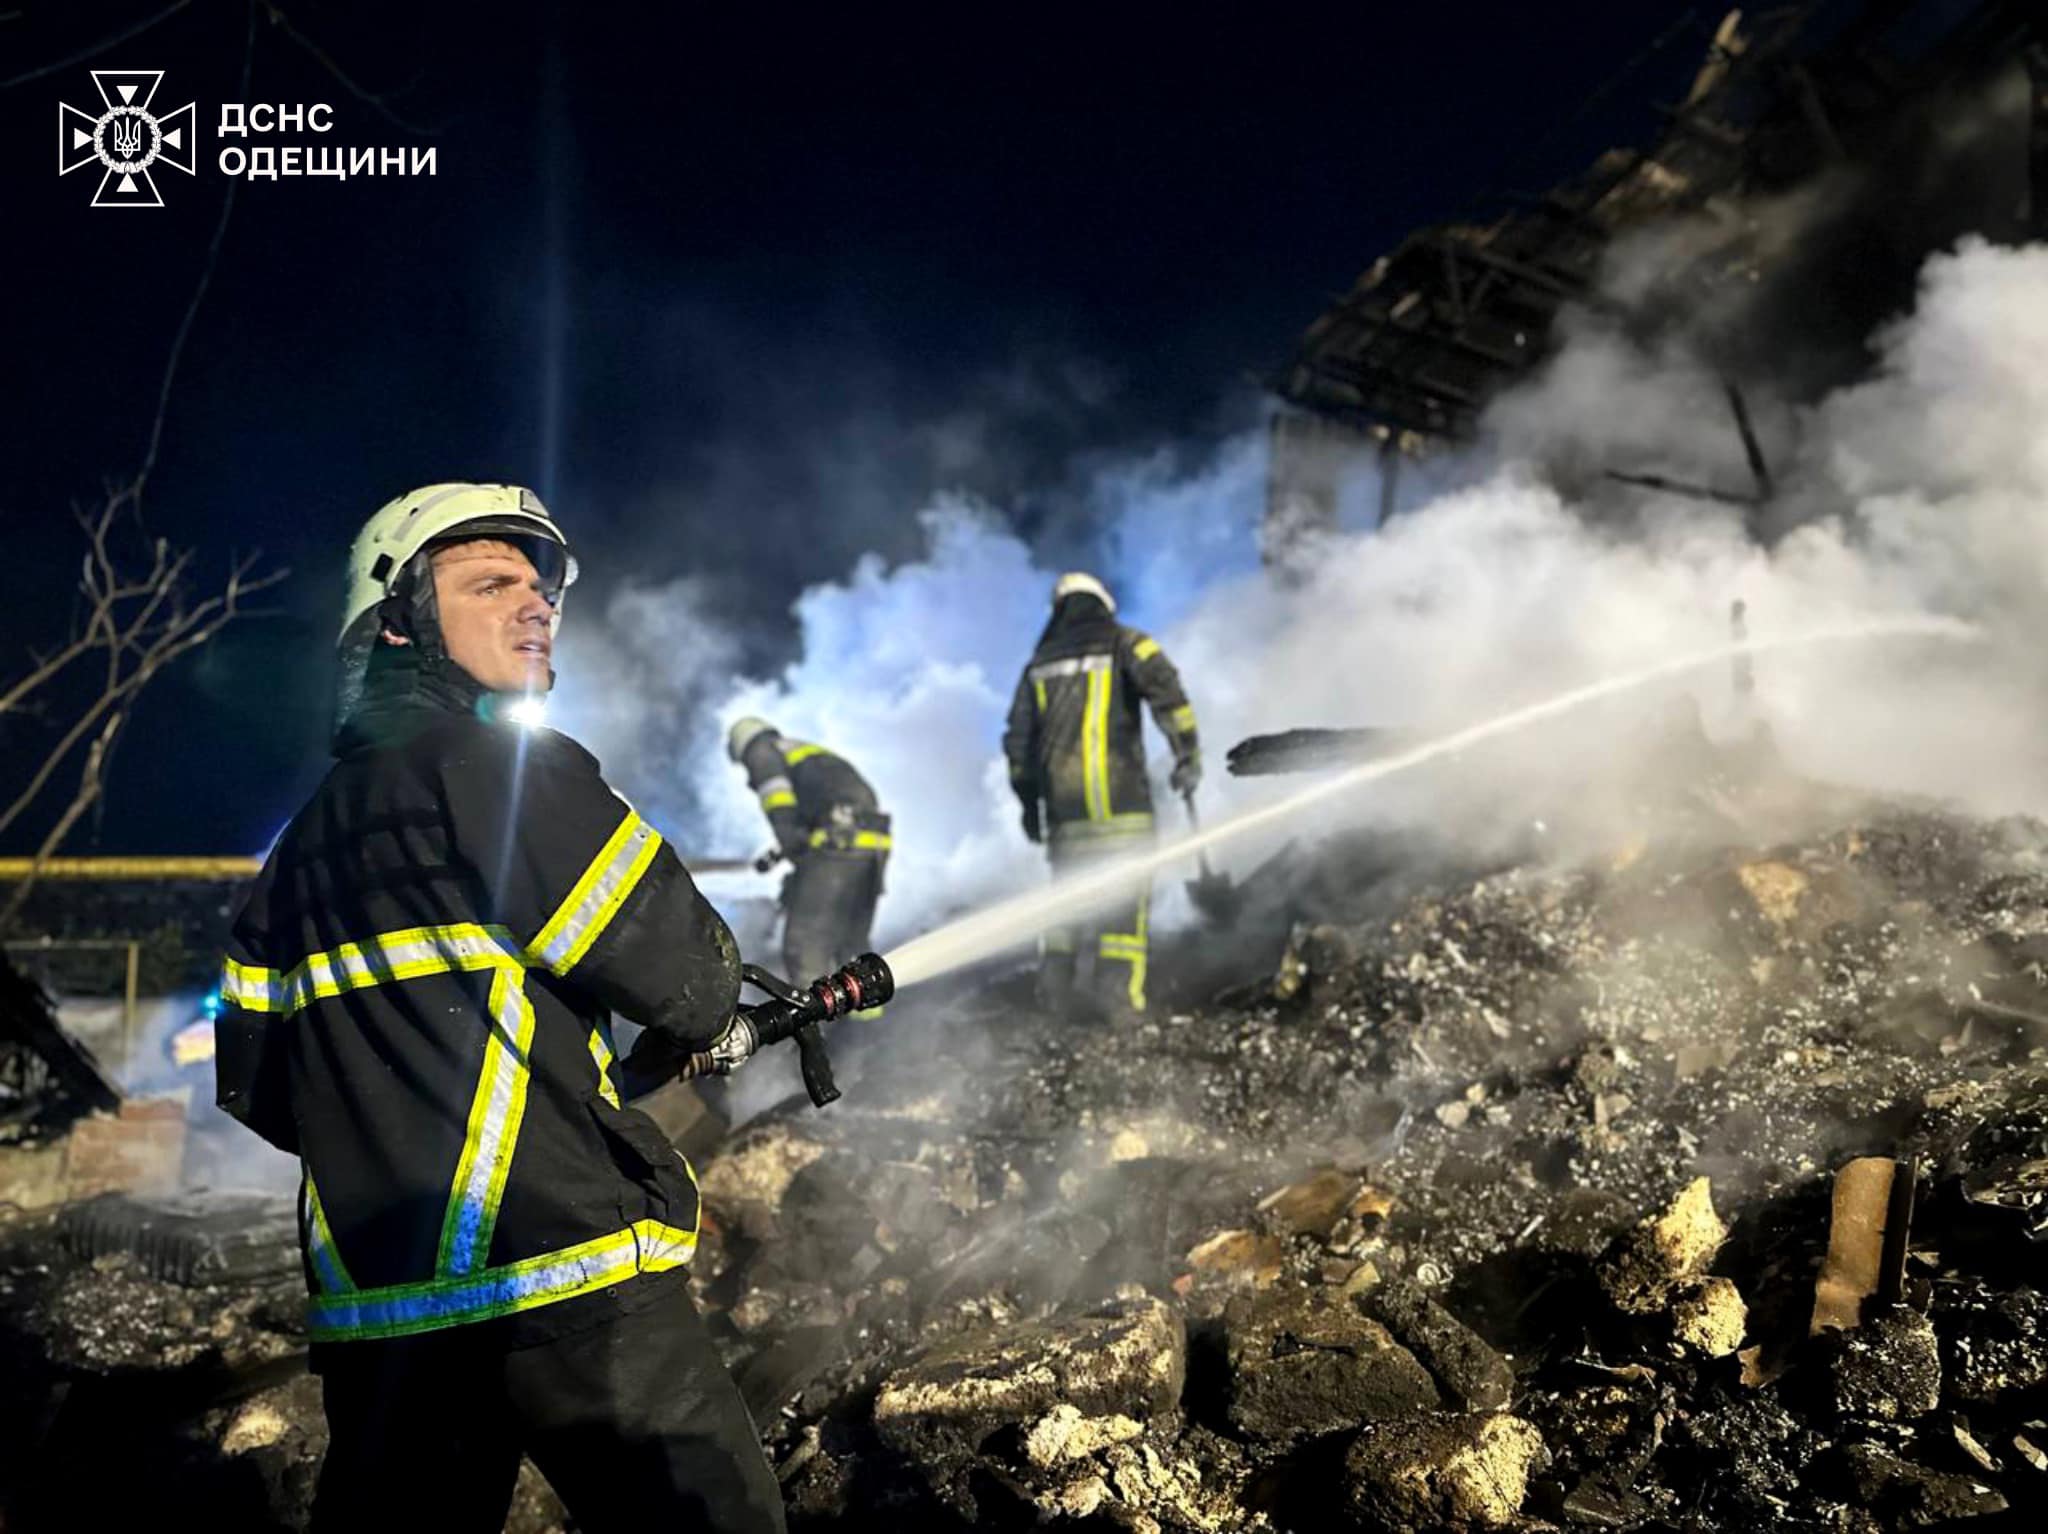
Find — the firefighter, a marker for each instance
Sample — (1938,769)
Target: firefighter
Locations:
(1076,748)
(826,822)
(417,1004)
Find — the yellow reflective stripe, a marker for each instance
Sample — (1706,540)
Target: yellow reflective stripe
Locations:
(326,1256)
(1124,949)
(1095,747)
(1144,649)
(802,753)
(863,841)
(494,1118)
(1183,718)
(1132,948)
(251,987)
(398,1310)
(779,799)
(353,966)
(601,1055)
(1038,689)
(582,917)
(1130,823)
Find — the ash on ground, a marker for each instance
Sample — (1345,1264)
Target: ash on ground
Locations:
(1500,1204)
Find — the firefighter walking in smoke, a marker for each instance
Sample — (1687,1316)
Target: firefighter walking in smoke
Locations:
(827,824)
(1076,748)
(416,1003)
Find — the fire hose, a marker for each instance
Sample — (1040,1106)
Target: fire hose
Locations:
(789,1013)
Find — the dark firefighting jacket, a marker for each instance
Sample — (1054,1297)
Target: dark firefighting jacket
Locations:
(1075,737)
(416,1003)
(813,797)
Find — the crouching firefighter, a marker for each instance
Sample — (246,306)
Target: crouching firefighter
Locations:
(417,1002)
(826,822)
(1076,748)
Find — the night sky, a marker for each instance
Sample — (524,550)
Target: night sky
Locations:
(737,292)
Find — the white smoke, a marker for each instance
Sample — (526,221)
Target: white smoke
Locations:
(1919,491)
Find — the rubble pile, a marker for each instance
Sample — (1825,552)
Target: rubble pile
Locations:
(1504,1207)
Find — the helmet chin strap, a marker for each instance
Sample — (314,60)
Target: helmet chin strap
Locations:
(412,613)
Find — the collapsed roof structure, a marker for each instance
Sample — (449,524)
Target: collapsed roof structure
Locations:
(1457,313)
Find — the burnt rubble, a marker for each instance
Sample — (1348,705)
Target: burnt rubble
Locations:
(1500,1206)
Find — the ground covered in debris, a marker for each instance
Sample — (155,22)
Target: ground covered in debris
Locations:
(1497,1206)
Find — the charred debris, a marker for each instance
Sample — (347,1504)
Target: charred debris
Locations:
(1694,1184)
(1699,1181)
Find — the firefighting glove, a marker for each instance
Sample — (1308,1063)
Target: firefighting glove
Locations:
(1187,774)
(1033,832)
(734,1046)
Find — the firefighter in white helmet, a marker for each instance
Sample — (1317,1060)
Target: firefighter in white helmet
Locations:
(417,1003)
(1076,748)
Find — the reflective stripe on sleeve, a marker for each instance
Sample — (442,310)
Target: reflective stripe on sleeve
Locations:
(802,753)
(582,917)
(1183,719)
(601,1056)
(1145,649)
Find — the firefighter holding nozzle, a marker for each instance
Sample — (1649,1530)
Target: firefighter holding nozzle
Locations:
(417,1004)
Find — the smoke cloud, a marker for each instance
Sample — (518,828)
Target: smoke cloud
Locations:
(1913,492)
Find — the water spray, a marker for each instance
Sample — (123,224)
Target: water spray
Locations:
(985,933)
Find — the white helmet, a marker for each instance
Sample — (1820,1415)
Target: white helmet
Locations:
(391,558)
(744,732)
(1079,583)
(402,528)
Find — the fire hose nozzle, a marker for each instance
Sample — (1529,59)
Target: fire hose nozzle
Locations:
(858,986)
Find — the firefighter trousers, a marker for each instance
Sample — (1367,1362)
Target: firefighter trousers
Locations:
(831,898)
(1105,952)
(634,1422)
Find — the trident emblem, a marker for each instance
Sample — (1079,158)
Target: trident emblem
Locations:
(126,138)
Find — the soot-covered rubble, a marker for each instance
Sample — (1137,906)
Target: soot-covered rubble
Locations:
(1499,1209)
(1496,1205)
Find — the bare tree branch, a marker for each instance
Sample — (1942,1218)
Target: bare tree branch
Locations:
(137,650)
(89,785)
(137,614)
(320,56)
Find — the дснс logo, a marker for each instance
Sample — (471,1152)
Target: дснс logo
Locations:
(126,138)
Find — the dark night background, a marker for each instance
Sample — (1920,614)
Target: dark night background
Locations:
(737,292)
